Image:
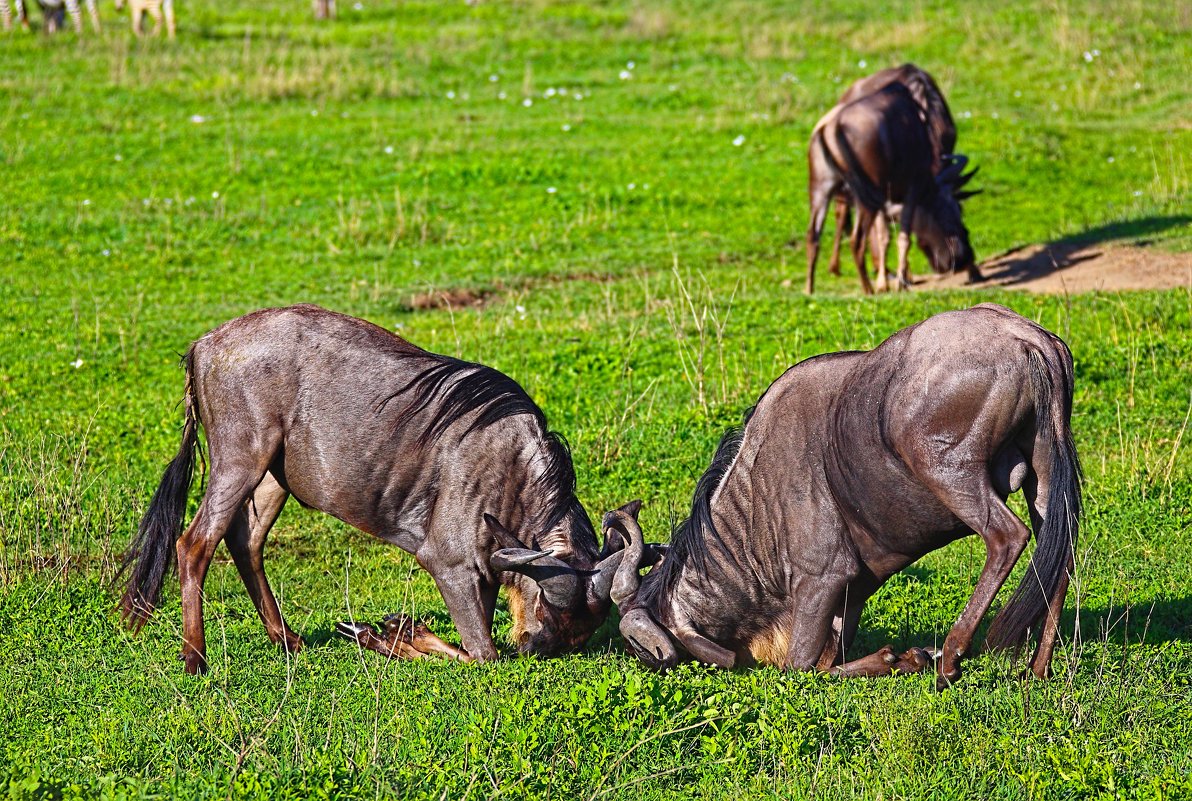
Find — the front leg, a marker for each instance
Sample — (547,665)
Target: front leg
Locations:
(471,602)
(904,244)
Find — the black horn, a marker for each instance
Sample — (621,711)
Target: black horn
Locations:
(558,581)
(626,580)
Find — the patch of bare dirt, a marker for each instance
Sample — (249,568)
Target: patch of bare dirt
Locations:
(1072,267)
(450,298)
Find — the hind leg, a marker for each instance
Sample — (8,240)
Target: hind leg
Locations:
(860,238)
(844,223)
(246,542)
(1037,490)
(880,245)
(1005,539)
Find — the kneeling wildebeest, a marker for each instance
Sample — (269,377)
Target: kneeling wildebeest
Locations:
(881,151)
(441,457)
(852,466)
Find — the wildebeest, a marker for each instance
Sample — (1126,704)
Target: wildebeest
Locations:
(451,461)
(324,9)
(934,112)
(880,150)
(156,9)
(852,466)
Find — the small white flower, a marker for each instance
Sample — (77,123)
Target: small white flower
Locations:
(566,127)
(578,96)
(118,157)
(740,140)
(494,78)
(1096,52)
(527,102)
(520,309)
(550,190)
(626,75)
(1110,159)
(77,363)
(994,115)
(198,119)
(358,6)
(215,194)
(417,262)
(645,186)
(1137,85)
(314,112)
(86,202)
(629,65)
(1018,93)
(169,201)
(862,63)
(190,200)
(632,186)
(501,95)
(1088,56)
(398,326)
(145,202)
(450,94)
(1137,193)
(550,92)
(107,252)
(674,87)
(389,150)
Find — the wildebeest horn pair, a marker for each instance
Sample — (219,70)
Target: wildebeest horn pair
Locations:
(953,174)
(562,584)
(648,641)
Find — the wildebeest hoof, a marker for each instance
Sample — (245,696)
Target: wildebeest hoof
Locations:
(913,660)
(193,662)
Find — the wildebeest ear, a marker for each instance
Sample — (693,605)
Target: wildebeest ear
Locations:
(502,535)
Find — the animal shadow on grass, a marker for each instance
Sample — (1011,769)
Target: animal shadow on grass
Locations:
(1007,268)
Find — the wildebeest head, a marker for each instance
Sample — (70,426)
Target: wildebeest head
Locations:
(644,636)
(938,225)
(556,606)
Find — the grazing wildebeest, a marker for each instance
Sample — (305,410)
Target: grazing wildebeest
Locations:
(935,114)
(880,150)
(852,466)
(156,9)
(449,460)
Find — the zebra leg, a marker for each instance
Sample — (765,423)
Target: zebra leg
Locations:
(5,15)
(76,18)
(168,7)
(93,12)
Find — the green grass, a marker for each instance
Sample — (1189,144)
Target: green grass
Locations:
(645,303)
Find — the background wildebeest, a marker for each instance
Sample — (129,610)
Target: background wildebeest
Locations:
(881,151)
(934,113)
(852,466)
(423,451)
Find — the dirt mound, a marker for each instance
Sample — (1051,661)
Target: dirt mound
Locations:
(1072,267)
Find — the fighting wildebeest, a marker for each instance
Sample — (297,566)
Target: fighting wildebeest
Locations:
(851,467)
(935,114)
(449,460)
(880,150)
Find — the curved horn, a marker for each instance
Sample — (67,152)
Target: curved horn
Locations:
(558,581)
(626,580)
(648,641)
(606,569)
(968,176)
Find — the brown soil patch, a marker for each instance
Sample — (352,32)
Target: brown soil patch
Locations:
(451,298)
(1071,267)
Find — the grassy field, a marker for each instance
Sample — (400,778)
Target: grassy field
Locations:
(618,180)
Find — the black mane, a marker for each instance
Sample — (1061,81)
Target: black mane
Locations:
(458,389)
(696,537)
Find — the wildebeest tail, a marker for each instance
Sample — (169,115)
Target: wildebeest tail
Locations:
(1055,539)
(865,191)
(152,552)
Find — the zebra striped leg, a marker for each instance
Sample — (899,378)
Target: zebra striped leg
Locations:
(22,14)
(76,19)
(5,15)
(93,12)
